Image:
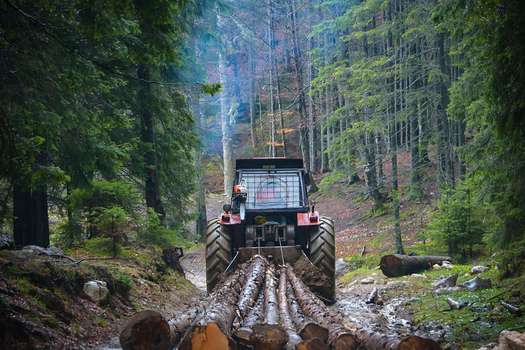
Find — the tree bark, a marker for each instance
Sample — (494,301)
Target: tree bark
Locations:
(286,319)
(339,338)
(151,169)
(226,126)
(30,212)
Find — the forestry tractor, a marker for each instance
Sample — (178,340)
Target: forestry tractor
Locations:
(269,214)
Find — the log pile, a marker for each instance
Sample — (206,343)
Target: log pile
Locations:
(266,307)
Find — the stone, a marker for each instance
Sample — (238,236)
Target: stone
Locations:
(146,330)
(418,275)
(367,280)
(96,290)
(447,265)
(478,283)
(34,249)
(436,267)
(446,290)
(449,281)
(478,269)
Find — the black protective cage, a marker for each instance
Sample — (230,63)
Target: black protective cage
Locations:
(269,163)
(272,184)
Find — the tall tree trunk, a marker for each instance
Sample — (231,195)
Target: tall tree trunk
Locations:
(251,98)
(226,126)
(270,83)
(398,243)
(201,221)
(445,165)
(30,223)
(151,171)
(298,70)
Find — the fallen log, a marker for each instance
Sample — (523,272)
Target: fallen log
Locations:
(286,319)
(375,341)
(213,330)
(305,326)
(339,338)
(311,344)
(255,315)
(254,280)
(271,307)
(269,337)
(146,330)
(396,265)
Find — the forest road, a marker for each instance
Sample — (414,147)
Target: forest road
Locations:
(194,265)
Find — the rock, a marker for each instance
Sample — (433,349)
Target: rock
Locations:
(436,267)
(455,304)
(511,340)
(146,330)
(478,269)
(446,290)
(478,283)
(446,264)
(449,281)
(6,242)
(34,249)
(418,275)
(96,290)
(489,346)
(341,267)
(367,280)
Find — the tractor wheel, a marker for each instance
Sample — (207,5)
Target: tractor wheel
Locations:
(322,252)
(218,253)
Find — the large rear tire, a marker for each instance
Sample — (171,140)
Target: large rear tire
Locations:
(322,252)
(218,252)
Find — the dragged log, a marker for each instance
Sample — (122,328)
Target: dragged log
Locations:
(254,280)
(286,319)
(305,326)
(339,338)
(213,330)
(271,306)
(396,265)
(269,337)
(146,330)
(244,333)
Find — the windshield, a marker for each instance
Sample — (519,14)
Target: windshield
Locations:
(272,189)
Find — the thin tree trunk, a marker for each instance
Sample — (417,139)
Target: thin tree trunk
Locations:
(226,126)
(298,70)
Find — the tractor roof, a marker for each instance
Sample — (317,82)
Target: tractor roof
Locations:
(269,163)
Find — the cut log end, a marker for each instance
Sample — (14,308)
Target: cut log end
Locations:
(417,343)
(268,337)
(311,344)
(312,330)
(344,341)
(209,336)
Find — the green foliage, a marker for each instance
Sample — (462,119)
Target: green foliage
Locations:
(457,223)
(211,88)
(153,232)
